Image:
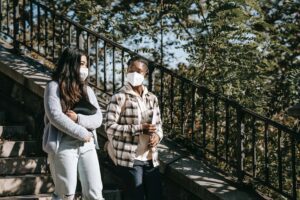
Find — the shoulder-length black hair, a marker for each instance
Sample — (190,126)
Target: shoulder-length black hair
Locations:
(67,74)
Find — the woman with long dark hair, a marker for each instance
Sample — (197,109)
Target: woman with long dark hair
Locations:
(70,138)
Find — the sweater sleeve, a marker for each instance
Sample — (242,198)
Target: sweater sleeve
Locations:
(57,118)
(112,126)
(91,122)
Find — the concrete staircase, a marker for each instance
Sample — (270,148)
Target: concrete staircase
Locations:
(24,173)
(23,166)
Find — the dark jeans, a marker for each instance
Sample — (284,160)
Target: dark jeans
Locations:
(141,182)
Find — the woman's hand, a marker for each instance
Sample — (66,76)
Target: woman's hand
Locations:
(149,129)
(72,115)
(154,140)
(88,138)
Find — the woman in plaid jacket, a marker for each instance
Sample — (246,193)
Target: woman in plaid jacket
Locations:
(133,127)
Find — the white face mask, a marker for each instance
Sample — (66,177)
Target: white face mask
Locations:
(135,79)
(84,72)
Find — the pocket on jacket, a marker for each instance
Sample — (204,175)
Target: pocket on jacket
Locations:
(50,139)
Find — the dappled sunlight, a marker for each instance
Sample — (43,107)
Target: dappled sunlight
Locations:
(9,148)
(42,184)
(30,70)
(10,186)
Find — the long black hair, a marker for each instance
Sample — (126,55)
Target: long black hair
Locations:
(67,74)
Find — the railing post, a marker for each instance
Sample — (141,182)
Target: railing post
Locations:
(203,105)
(240,145)
(215,116)
(79,39)
(16,16)
(266,154)
(161,96)
(182,108)
(1,17)
(294,172)
(151,70)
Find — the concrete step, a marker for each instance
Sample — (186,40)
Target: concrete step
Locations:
(19,148)
(111,193)
(108,194)
(18,166)
(25,185)
(27,197)
(40,186)
(14,133)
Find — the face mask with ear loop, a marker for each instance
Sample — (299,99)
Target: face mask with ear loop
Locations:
(135,79)
(83,72)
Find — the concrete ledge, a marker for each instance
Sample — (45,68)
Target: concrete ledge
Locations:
(196,177)
(24,71)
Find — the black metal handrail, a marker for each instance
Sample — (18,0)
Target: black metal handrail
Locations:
(228,135)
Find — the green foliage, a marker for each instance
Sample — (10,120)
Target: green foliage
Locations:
(248,51)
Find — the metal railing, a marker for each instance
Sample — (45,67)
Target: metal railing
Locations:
(228,135)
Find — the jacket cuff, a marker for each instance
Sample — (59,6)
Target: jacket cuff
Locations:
(137,129)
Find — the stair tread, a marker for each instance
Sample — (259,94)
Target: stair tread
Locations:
(11,132)
(29,184)
(24,176)
(37,196)
(47,196)
(27,157)
(23,165)
(13,125)
(19,148)
(3,140)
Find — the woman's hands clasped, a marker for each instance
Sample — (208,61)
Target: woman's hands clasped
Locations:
(73,116)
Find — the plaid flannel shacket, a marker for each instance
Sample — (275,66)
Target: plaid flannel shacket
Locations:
(123,124)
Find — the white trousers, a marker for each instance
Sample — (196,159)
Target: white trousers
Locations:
(72,158)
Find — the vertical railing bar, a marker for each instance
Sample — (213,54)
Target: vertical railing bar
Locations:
(61,34)
(7,16)
(69,35)
(23,23)
(266,154)
(182,108)
(172,102)
(161,99)
(46,33)
(38,28)
(16,16)
(240,143)
(53,39)
(253,147)
(150,73)
(294,174)
(193,113)
(204,121)
(96,60)
(215,109)
(77,37)
(1,15)
(227,121)
(88,45)
(114,69)
(279,161)
(122,61)
(104,67)
(31,25)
